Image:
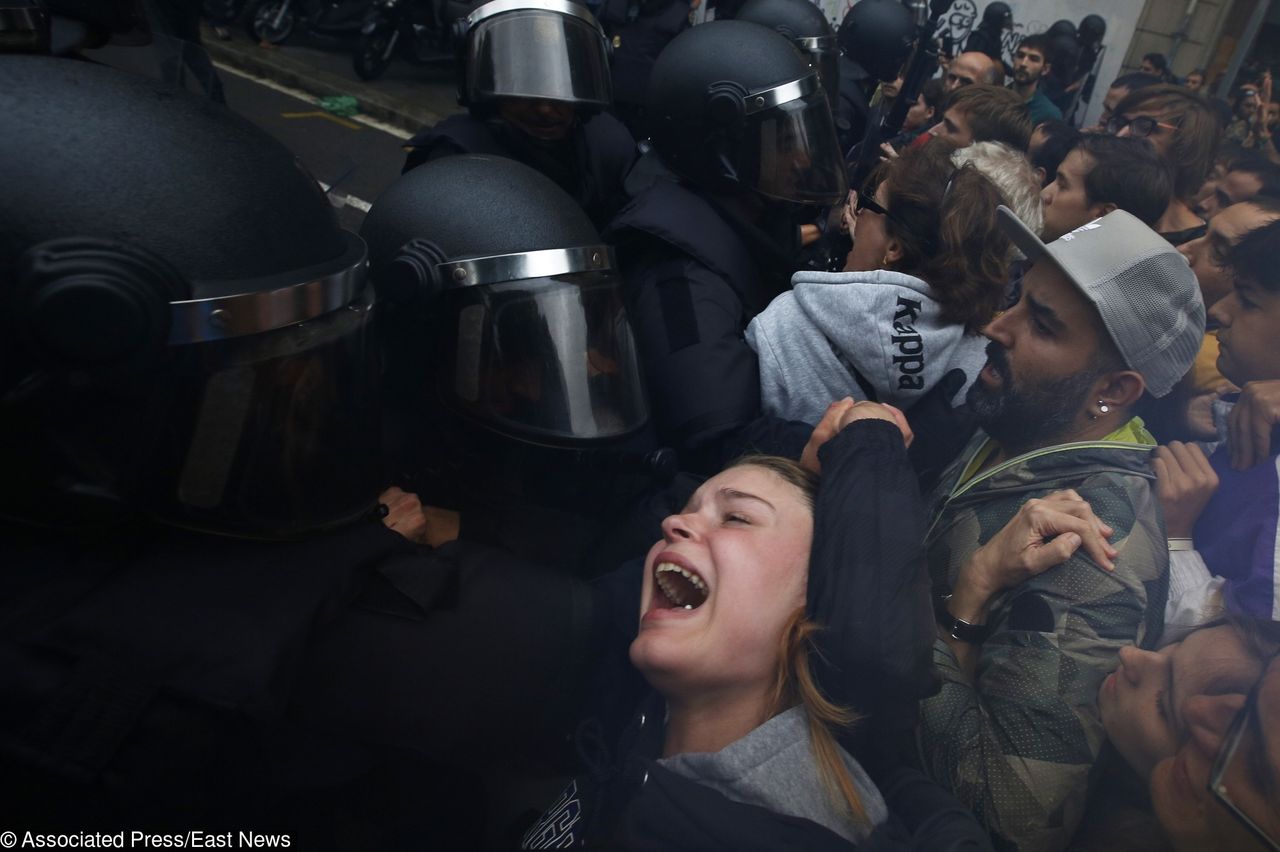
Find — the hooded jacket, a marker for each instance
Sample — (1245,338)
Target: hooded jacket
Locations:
(1018,743)
(867,585)
(871,335)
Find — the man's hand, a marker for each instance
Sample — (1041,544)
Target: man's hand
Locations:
(1184,483)
(1250,423)
(887,152)
(420,524)
(1200,412)
(1044,532)
(841,414)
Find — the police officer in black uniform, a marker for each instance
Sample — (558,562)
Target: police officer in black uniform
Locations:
(743,152)
(988,36)
(1092,30)
(203,622)
(513,380)
(875,38)
(638,30)
(1065,57)
(534,77)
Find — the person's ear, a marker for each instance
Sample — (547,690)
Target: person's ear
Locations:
(1118,390)
(1040,175)
(892,251)
(1103,209)
(1048,66)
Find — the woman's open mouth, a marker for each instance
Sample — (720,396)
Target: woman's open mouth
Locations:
(678,587)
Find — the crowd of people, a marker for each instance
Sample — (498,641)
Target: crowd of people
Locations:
(757,510)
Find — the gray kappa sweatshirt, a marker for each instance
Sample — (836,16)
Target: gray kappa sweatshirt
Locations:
(773,767)
(884,324)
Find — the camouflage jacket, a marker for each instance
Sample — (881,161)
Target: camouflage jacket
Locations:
(1018,742)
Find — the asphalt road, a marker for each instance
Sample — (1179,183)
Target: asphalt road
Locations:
(356,159)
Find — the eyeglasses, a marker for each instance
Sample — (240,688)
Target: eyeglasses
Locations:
(1226,760)
(866,201)
(1140,127)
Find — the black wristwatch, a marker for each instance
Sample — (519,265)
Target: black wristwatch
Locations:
(958,628)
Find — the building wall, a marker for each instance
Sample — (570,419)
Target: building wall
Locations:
(1204,44)
(1034,16)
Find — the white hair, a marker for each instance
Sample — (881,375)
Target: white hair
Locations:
(1011,173)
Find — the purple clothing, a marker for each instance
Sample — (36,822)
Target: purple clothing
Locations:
(1237,535)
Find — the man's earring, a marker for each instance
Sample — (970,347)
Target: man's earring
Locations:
(1103,407)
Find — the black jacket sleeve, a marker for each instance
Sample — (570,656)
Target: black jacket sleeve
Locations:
(868,578)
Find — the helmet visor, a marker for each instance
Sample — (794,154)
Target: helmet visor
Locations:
(534,53)
(272,434)
(823,55)
(550,358)
(793,154)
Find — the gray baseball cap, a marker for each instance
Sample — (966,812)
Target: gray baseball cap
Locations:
(1143,289)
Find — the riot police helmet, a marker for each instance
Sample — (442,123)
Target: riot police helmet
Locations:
(809,30)
(997,16)
(185,321)
(1093,28)
(879,36)
(530,334)
(1062,28)
(545,50)
(734,108)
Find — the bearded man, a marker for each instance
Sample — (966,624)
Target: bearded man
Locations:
(1047,547)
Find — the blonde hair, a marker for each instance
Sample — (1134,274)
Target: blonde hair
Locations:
(795,685)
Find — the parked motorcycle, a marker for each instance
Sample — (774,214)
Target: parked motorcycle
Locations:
(419,32)
(273,21)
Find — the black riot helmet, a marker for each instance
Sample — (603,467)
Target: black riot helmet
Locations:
(879,36)
(997,16)
(184,321)
(1092,30)
(809,30)
(552,50)
(533,341)
(513,371)
(733,107)
(1062,28)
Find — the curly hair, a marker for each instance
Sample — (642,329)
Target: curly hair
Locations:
(944,217)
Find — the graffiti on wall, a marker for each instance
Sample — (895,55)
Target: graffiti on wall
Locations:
(960,21)
(956,25)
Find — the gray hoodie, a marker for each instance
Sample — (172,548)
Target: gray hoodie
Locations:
(773,767)
(884,324)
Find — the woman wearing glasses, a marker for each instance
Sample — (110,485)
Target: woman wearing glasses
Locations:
(928,269)
(1169,714)
(1185,132)
(1221,790)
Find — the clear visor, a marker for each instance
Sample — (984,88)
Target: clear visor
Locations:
(550,358)
(534,53)
(827,64)
(792,153)
(272,434)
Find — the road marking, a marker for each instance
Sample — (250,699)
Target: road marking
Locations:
(389,129)
(348,200)
(336,119)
